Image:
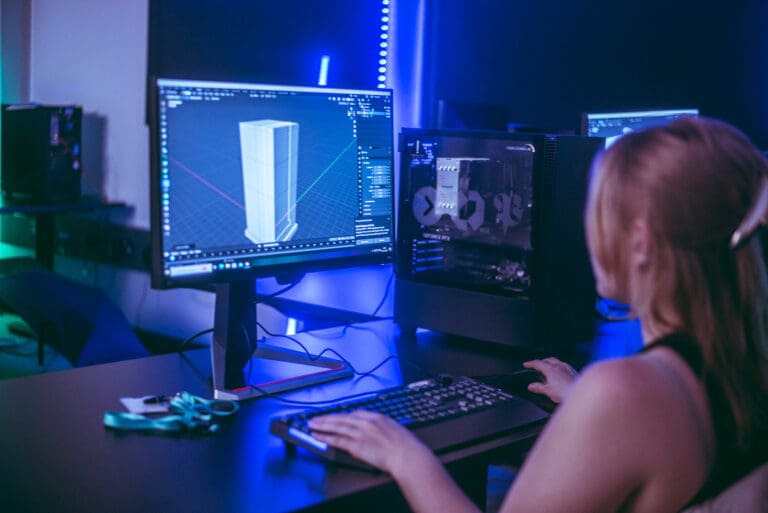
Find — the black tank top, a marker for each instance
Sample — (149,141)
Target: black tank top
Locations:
(731,462)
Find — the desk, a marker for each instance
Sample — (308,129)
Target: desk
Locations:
(44,214)
(56,454)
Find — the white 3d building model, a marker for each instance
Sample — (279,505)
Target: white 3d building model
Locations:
(269,151)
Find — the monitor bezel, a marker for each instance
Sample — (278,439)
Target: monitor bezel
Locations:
(646,112)
(291,267)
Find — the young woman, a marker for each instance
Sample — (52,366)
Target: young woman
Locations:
(688,415)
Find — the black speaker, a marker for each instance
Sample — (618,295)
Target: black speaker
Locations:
(41,147)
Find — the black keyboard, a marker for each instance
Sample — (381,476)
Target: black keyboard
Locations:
(444,414)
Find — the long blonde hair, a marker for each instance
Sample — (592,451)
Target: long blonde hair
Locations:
(692,181)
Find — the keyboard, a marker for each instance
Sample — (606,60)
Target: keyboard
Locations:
(444,413)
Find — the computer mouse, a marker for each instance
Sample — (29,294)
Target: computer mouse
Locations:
(516,383)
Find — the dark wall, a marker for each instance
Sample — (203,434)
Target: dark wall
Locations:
(266,40)
(547,62)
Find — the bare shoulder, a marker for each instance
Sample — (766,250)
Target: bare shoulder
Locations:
(635,397)
(621,372)
(611,404)
(620,384)
(626,398)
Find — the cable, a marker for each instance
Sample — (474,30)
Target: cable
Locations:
(193,337)
(345,327)
(386,293)
(261,298)
(140,306)
(188,412)
(210,330)
(251,350)
(368,328)
(271,395)
(312,357)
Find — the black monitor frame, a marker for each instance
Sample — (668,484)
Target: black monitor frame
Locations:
(235,351)
(640,117)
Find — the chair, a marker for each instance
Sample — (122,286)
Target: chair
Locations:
(748,495)
(78,321)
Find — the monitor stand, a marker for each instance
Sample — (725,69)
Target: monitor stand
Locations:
(242,367)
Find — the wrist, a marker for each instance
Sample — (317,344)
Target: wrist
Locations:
(407,460)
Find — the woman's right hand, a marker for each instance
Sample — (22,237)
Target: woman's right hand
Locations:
(372,438)
(558,378)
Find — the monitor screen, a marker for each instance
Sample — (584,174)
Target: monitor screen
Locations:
(264,180)
(613,125)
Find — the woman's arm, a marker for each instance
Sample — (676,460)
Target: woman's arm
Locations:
(383,443)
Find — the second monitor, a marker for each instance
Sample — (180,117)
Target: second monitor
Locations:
(613,125)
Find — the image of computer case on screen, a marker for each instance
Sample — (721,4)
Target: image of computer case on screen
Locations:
(269,153)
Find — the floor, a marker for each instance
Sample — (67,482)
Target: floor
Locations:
(500,478)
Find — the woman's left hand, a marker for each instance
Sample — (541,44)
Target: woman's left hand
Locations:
(370,437)
(558,378)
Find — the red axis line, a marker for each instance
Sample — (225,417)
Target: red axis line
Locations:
(207,183)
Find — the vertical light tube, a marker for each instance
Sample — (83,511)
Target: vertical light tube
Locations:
(322,78)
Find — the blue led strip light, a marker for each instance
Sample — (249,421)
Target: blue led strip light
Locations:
(384,44)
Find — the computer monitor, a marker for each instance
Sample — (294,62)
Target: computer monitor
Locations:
(251,180)
(613,125)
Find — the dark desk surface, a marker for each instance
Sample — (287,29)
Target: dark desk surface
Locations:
(56,455)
